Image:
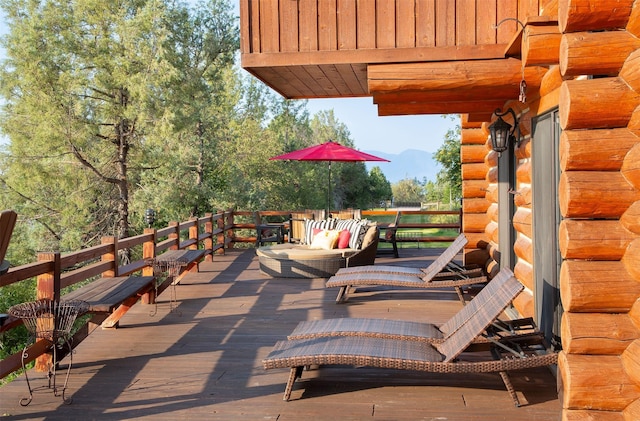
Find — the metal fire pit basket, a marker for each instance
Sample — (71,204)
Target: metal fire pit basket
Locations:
(48,319)
(52,321)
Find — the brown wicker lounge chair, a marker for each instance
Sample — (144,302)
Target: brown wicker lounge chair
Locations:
(443,266)
(433,276)
(520,330)
(444,357)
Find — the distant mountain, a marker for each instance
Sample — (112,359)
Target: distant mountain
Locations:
(411,163)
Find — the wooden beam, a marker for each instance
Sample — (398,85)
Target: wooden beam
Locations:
(377,55)
(451,76)
(461,107)
(479,117)
(482,93)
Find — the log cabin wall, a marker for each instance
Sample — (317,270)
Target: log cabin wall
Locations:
(598,96)
(475,204)
(599,198)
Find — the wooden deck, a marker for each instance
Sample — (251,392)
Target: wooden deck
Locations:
(203,360)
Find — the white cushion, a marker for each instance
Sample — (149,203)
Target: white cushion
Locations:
(325,239)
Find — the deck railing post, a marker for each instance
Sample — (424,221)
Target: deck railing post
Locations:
(208,240)
(48,284)
(193,233)
(221,235)
(48,288)
(111,256)
(175,235)
(149,252)
(230,233)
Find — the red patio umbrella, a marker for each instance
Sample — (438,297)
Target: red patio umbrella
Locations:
(329,151)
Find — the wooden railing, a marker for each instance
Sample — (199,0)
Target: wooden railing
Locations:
(213,233)
(55,271)
(414,226)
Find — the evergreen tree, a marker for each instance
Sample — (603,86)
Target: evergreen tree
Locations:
(79,85)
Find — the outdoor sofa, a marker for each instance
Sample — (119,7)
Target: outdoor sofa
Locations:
(293,260)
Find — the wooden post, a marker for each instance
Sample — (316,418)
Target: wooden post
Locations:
(48,284)
(221,236)
(208,241)
(193,232)
(229,219)
(149,252)
(175,235)
(48,288)
(111,257)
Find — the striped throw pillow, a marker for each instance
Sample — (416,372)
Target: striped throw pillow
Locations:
(310,224)
(357,228)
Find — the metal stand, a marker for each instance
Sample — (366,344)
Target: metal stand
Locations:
(51,321)
(168,269)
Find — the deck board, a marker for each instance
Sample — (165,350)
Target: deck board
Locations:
(203,361)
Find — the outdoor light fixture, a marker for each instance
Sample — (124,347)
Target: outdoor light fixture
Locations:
(150,217)
(502,132)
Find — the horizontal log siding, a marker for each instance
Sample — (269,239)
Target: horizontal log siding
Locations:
(600,282)
(475,206)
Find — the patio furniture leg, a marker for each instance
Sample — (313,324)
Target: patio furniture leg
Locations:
(295,373)
(460,294)
(510,389)
(342,294)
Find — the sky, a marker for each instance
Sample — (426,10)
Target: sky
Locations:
(389,134)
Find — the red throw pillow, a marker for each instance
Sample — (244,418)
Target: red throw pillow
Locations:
(343,239)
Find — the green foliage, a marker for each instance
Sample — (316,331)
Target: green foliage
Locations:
(449,157)
(408,190)
(379,187)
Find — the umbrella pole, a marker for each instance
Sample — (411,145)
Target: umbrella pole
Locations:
(329,194)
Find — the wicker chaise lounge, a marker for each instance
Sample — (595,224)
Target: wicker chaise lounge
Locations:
(509,331)
(433,276)
(444,357)
(442,267)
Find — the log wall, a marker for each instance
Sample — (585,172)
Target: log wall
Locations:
(599,198)
(475,216)
(596,85)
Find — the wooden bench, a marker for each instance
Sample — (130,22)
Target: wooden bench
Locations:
(187,259)
(112,297)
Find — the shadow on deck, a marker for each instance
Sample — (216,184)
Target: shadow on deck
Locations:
(203,360)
